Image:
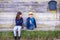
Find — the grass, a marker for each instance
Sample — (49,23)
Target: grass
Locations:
(31,34)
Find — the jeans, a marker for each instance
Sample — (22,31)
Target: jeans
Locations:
(31,27)
(15,29)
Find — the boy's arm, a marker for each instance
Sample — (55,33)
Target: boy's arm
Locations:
(35,23)
(26,22)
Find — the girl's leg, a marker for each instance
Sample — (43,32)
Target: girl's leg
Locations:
(19,32)
(14,30)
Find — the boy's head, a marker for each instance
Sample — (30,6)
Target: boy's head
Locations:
(30,14)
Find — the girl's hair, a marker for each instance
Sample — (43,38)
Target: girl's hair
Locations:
(18,14)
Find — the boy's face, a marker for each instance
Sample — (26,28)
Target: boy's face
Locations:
(31,15)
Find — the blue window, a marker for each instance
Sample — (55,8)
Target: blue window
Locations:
(52,5)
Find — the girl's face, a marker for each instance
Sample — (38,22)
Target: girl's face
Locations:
(20,15)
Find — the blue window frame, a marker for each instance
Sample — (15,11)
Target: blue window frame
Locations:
(52,5)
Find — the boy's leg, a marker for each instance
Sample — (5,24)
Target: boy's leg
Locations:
(31,27)
(19,32)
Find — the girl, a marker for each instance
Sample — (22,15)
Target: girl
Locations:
(18,26)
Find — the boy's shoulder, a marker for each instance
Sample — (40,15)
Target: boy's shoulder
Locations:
(28,18)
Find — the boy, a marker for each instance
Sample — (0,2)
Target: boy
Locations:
(30,22)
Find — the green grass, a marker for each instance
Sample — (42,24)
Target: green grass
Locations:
(32,34)
(38,34)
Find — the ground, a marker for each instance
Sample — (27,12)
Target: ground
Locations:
(31,35)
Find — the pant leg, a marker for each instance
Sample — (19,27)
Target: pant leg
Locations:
(31,27)
(14,30)
(19,30)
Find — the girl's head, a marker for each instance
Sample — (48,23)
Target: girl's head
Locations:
(19,15)
(30,14)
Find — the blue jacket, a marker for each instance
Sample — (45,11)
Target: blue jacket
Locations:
(19,22)
(28,23)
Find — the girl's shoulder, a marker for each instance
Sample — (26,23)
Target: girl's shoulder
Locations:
(21,17)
